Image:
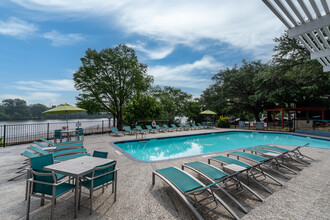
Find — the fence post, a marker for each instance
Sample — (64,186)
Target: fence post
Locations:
(4,136)
(48,131)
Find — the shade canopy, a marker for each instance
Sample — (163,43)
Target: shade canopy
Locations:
(64,109)
(208,112)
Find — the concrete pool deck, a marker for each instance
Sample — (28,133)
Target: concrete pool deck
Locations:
(305,196)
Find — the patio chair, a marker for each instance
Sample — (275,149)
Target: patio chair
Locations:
(68,152)
(294,154)
(175,127)
(45,185)
(266,162)
(167,128)
(159,128)
(116,132)
(195,126)
(101,176)
(140,129)
(79,134)
(52,144)
(253,172)
(182,127)
(268,153)
(128,130)
(100,154)
(230,183)
(188,127)
(58,135)
(190,190)
(150,129)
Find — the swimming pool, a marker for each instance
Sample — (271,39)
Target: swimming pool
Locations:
(184,146)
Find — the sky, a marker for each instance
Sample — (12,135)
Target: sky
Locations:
(184,43)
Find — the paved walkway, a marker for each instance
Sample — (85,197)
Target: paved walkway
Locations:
(305,196)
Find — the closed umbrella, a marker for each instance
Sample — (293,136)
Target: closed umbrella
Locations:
(65,109)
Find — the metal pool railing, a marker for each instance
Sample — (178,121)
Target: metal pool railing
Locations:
(25,133)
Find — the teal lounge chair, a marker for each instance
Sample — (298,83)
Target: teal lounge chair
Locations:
(52,144)
(294,154)
(45,185)
(101,176)
(70,156)
(128,130)
(188,127)
(159,128)
(167,128)
(116,132)
(268,153)
(200,125)
(230,183)
(270,163)
(195,126)
(150,129)
(140,130)
(175,127)
(60,147)
(253,172)
(182,127)
(38,150)
(187,187)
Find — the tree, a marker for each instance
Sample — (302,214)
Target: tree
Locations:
(15,108)
(192,110)
(36,110)
(142,108)
(238,88)
(173,101)
(109,79)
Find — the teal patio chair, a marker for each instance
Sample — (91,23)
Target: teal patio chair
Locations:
(100,154)
(150,129)
(79,134)
(183,127)
(140,129)
(167,128)
(175,127)
(116,131)
(58,135)
(45,185)
(101,176)
(192,191)
(159,128)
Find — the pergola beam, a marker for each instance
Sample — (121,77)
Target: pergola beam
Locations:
(309,26)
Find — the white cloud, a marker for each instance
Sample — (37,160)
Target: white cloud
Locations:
(248,25)
(196,75)
(46,98)
(17,28)
(46,85)
(59,39)
(154,54)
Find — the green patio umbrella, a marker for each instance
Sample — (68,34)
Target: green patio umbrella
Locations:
(65,109)
(207,112)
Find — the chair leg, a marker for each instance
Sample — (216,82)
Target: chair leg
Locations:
(91,201)
(42,200)
(115,183)
(79,196)
(27,184)
(52,208)
(28,205)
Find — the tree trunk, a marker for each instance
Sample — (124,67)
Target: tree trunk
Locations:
(256,116)
(120,120)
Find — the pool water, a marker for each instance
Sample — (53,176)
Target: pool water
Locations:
(183,146)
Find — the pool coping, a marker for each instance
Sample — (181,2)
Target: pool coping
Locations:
(131,157)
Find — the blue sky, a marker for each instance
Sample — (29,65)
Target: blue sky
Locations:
(183,42)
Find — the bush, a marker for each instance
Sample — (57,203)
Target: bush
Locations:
(223,121)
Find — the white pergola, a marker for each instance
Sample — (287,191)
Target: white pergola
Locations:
(309,22)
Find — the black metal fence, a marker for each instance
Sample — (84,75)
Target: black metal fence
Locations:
(25,133)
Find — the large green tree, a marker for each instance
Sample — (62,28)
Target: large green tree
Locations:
(16,108)
(108,79)
(173,100)
(141,108)
(36,110)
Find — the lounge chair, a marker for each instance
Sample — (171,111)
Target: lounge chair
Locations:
(167,128)
(116,132)
(52,144)
(175,127)
(188,127)
(140,129)
(187,187)
(101,176)
(266,162)
(268,153)
(183,128)
(45,185)
(200,125)
(60,147)
(150,129)
(159,128)
(253,172)
(294,154)
(128,130)
(38,150)
(195,126)
(230,183)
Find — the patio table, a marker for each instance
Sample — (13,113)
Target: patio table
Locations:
(77,168)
